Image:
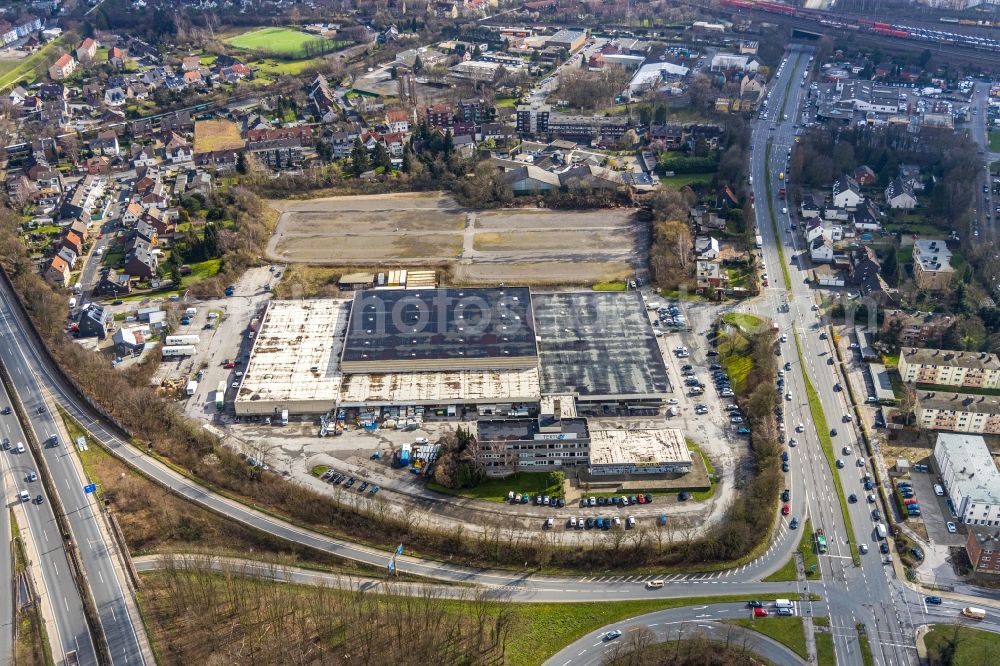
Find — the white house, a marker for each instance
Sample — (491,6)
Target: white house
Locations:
(900,195)
(846,193)
(821,250)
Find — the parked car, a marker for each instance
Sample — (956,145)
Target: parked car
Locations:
(760,612)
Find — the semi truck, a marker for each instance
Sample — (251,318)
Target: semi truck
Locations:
(175,351)
(172,340)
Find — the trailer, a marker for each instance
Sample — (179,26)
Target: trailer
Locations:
(220,396)
(177,351)
(191,387)
(172,340)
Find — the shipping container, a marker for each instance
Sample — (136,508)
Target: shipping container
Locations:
(181,340)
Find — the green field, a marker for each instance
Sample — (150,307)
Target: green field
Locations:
(279,41)
(746,322)
(786,630)
(495,490)
(24,69)
(609,286)
(680,180)
(995,141)
(825,654)
(972,646)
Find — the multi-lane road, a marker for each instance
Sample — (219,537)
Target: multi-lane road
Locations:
(58,594)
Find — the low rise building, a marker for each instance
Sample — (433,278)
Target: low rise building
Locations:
(510,445)
(982,545)
(958,412)
(950,368)
(932,267)
(900,195)
(970,478)
(629,452)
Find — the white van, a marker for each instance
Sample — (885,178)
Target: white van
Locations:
(783,603)
(654,584)
(938,490)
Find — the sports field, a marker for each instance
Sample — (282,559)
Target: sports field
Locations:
(279,41)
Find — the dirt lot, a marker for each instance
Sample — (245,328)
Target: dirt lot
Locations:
(532,246)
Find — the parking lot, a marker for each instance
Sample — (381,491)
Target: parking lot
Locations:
(934,510)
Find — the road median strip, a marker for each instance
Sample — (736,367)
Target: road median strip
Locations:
(823,433)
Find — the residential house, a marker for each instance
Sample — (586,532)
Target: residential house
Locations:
(864,175)
(899,195)
(808,207)
(866,217)
(277,153)
(116,57)
(917,329)
(58,272)
(106,143)
(710,274)
(99,165)
(846,193)
(866,272)
(143,156)
(753,89)
(706,247)
(140,261)
(130,340)
(190,63)
(94,321)
(73,241)
(20,189)
(220,161)
(471,110)
(398,120)
(112,283)
(62,68)
(87,50)
(821,250)
(178,150)
(530,179)
(115,97)
(147,232)
(67,254)
(439,115)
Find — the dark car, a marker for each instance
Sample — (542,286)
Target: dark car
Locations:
(754,604)
(589,523)
(784,467)
(852,498)
(6,410)
(933,600)
(711,352)
(786,495)
(649,499)
(682,496)
(39,499)
(884,547)
(361,488)
(833,432)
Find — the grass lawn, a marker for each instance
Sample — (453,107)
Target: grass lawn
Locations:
(733,357)
(495,490)
(890,361)
(201,270)
(919,228)
(946,389)
(995,141)
(821,621)
(506,103)
(866,651)
(680,180)
(809,559)
(271,68)
(25,68)
(217,134)
(318,470)
(973,646)
(825,654)
(786,630)
(823,432)
(544,629)
(282,41)
(702,495)
(609,286)
(739,277)
(747,323)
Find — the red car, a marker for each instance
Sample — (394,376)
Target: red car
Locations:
(785,510)
(229,364)
(760,612)
(909,501)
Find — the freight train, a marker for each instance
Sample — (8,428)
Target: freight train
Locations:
(912,33)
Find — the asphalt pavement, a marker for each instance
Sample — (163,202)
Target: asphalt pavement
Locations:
(59,593)
(96,555)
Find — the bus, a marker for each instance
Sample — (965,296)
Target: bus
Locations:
(820,542)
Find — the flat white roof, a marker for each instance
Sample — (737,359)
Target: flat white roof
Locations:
(440,388)
(294,338)
(976,475)
(639,447)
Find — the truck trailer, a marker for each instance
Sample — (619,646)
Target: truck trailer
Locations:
(220,396)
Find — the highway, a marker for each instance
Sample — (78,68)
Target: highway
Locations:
(96,555)
(59,593)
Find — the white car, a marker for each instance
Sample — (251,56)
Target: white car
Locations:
(952,528)
(863,548)
(800,427)
(788,396)
(672,401)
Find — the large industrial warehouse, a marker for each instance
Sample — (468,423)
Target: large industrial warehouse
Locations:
(497,351)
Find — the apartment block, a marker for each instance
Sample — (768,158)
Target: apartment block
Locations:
(958,412)
(949,368)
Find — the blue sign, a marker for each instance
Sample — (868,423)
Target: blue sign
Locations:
(90,488)
(399,549)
